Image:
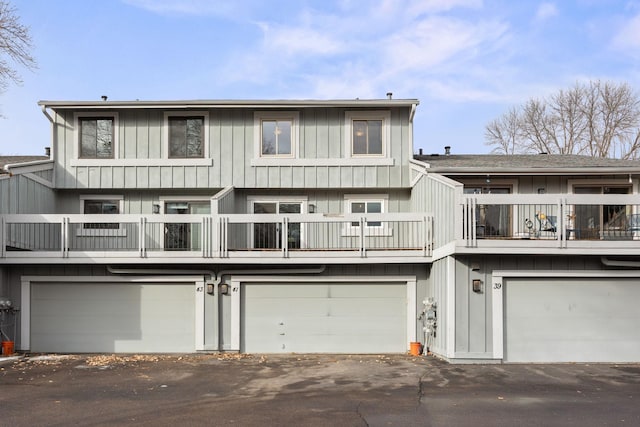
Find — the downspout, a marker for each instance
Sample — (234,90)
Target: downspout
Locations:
(54,142)
(617,263)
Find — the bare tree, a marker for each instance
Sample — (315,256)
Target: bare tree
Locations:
(15,45)
(599,119)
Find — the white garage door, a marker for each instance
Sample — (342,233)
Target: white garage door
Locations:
(572,320)
(112,317)
(324,318)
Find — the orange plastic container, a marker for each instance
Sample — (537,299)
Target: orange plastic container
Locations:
(415,348)
(7,348)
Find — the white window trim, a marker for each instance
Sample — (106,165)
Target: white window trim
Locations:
(115,232)
(162,200)
(205,137)
(384,230)
(303,200)
(385,116)
(258,116)
(76,136)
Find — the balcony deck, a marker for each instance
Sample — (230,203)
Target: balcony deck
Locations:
(549,224)
(237,238)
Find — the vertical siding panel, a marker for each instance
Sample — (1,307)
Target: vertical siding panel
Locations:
(310,134)
(286,174)
(142,177)
(322,135)
(166,175)
(335,125)
(358,176)
(106,177)
(154,177)
(370,176)
(274,177)
(322,176)
(177,176)
(310,180)
(214,150)
(333,176)
(239,157)
(94,177)
(383,176)
(262,177)
(202,176)
(297,173)
(249,150)
(118,177)
(189,177)
(155,136)
(226,149)
(68,141)
(142,136)
(130,177)
(129,143)
(346,177)
(82,177)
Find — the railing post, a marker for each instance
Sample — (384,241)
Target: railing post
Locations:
(425,236)
(64,237)
(141,242)
(284,237)
(363,252)
(3,238)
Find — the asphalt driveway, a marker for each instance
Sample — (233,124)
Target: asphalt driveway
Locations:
(311,390)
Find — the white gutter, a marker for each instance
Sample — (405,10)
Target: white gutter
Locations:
(613,263)
(216,277)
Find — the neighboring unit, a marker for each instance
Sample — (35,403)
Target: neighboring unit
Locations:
(309,226)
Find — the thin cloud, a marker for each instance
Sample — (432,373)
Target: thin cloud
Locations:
(628,37)
(546,11)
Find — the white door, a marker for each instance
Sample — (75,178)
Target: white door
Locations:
(112,317)
(572,320)
(324,318)
(268,235)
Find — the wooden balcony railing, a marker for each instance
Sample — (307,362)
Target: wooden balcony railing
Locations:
(565,220)
(215,236)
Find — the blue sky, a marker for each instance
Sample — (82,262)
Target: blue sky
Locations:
(467,61)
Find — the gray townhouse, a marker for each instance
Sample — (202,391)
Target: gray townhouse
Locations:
(310,226)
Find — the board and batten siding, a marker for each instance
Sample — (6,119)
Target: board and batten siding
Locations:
(19,194)
(473,311)
(231,148)
(437,195)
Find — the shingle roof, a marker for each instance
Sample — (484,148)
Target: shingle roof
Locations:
(534,163)
(10,160)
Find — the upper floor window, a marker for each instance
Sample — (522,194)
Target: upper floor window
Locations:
(364,205)
(96,135)
(276,134)
(368,133)
(187,135)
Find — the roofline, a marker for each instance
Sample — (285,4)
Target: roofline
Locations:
(357,103)
(607,170)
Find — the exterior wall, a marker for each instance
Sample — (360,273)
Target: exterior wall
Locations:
(217,316)
(231,148)
(438,289)
(437,195)
(473,311)
(19,194)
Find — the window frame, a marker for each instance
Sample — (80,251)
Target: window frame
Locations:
(260,116)
(205,135)
(107,232)
(385,133)
(115,149)
(382,230)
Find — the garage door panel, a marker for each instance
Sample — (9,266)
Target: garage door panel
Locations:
(112,317)
(572,320)
(331,318)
